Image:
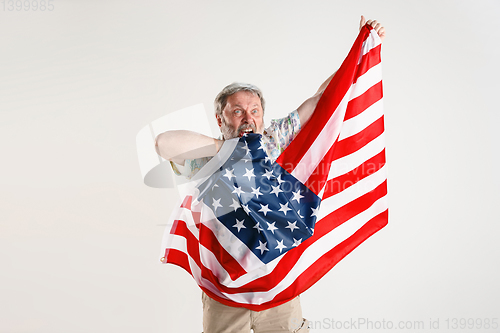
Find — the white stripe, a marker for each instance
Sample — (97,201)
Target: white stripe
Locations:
(369,44)
(367,80)
(351,193)
(349,162)
(361,121)
(251,275)
(232,244)
(322,143)
(209,260)
(178,243)
(178,214)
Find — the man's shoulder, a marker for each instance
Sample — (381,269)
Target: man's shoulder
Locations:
(283,126)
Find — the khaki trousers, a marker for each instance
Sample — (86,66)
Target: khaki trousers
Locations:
(220,318)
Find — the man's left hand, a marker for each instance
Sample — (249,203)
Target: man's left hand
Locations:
(375,24)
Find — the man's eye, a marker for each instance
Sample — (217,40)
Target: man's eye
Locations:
(255,111)
(237,111)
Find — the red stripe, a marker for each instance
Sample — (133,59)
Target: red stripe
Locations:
(364,101)
(194,252)
(180,229)
(179,258)
(340,183)
(357,141)
(370,59)
(210,241)
(347,212)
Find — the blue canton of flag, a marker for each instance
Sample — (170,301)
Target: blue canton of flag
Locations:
(259,202)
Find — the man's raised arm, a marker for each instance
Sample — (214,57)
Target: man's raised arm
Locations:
(307,108)
(177,146)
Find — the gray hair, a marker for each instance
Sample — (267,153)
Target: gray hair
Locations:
(221,99)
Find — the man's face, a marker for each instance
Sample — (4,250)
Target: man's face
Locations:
(242,114)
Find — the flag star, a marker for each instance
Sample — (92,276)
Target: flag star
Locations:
(246,160)
(279,180)
(216,204)
(246,209)
(267,159)
(280,246)
(257,226)
(215,185)
(229,174)
(256,192)
(235,205)
(297,196)
(237,190)
(262,247)
(296,242)
(292,226)
(249,173)
(284,208)
(271,227)
(298,213)
(239,224)
(246,147)
(315,211)
(276,190)
(264,209)
(268,174)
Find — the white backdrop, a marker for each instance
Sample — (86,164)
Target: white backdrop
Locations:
(80,233)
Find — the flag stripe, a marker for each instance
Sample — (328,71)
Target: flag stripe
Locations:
(350,162)
(359,140)
(370,59)
(361,103)
(342,182)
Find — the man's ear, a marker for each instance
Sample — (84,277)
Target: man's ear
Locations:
(219,120)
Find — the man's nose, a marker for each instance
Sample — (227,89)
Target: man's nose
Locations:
(248,116)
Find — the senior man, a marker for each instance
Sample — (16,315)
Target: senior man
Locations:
(239,109)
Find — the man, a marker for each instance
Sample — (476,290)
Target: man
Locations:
(239,109)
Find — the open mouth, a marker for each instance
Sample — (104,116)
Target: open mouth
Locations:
(246,131)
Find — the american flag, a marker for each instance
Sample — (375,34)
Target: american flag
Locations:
(255,234)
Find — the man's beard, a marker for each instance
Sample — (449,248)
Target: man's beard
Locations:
(229,132)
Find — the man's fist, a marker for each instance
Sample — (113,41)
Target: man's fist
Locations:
(376,25)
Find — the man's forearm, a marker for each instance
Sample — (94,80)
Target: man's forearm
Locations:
(177,146)
(325,84)
(307,108)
